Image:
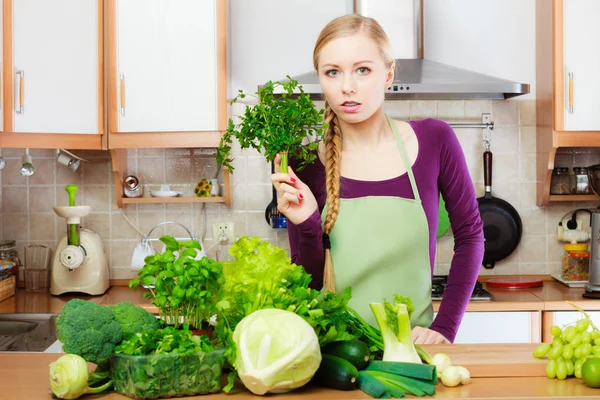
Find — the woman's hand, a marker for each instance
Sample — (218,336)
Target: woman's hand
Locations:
(422,335)
(294,198)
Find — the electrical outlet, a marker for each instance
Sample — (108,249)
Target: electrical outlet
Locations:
(226,228)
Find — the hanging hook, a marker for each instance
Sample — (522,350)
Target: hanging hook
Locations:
(487,138)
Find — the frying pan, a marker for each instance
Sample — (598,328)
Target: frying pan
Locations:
(502,226)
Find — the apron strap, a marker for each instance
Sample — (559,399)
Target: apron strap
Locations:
(407,165)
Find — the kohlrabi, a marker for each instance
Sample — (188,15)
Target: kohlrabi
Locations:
(69,378)
(277,351)
(394,323)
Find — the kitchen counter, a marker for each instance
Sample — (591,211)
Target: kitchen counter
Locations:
(25,377)
(550,297)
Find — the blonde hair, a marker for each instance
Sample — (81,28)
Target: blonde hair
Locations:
(340,27)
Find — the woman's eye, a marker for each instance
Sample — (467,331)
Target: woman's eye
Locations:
(332,72)
(363,70)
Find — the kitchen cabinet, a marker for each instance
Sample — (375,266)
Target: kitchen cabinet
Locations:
(167,73)
(53,74)
(568,85)
(491,327)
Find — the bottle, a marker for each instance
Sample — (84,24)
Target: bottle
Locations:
(575,262)
(559,184)
(581,181)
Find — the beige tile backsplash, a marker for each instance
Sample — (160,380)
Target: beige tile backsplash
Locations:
(27,214)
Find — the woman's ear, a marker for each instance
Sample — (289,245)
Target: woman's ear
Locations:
(390,75)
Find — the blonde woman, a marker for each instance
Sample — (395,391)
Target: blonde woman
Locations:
(365,213)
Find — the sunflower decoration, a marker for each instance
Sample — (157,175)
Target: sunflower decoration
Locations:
(202,189)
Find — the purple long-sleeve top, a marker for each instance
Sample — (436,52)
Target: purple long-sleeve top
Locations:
(440,167)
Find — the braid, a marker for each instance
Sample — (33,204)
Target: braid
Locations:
(333,157)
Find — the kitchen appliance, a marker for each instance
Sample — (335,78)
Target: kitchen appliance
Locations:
(80,264)
(417,78)
(438,285)
(502,226)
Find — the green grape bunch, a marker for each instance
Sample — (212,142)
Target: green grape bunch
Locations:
(571,345)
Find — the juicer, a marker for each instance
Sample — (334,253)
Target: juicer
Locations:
(80,263)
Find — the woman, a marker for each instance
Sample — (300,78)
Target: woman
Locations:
(365,213)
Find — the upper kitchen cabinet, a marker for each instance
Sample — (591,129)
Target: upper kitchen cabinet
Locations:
(568,84)
(167,73)
(53,74)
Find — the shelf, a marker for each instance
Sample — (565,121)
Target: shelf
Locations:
(574,197)
(119,168)
(154,200)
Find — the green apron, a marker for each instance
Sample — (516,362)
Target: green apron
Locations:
(380,247)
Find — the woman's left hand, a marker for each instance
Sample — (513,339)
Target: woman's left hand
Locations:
(422,335)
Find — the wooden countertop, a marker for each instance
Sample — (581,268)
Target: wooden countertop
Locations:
(25,377)
(550,297)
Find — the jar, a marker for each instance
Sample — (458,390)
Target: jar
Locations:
(581,181)
(559,184)
(8,252)
(575,262)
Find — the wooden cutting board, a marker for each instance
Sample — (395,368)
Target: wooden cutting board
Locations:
(493,360)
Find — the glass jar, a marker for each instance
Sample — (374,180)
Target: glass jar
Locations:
(559,183)
(580,181)
(8,252)
(575,262)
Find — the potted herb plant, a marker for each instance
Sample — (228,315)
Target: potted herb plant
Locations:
(184,290)
(280,123)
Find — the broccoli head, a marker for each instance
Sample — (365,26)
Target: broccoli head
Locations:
(88,330)
(133,319)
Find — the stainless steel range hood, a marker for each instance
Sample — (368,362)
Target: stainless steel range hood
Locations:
(417,78)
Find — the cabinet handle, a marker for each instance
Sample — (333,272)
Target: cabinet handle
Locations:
(571,90)
(122,94)
(21,103)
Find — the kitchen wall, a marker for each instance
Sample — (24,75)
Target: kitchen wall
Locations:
(26,204)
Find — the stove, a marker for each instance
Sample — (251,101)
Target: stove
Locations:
(439,284)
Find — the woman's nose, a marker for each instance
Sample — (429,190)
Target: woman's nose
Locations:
(348,86)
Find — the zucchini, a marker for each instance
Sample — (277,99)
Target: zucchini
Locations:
(336,373)
(355,351)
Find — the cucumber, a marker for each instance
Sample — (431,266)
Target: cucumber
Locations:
(355,351)
(336,373)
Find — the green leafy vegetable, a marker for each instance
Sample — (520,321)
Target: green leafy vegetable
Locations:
(184,288)
(277,124)
(166,362)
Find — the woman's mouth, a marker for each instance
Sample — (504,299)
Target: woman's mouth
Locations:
(350,106)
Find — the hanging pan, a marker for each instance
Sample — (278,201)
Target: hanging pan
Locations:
(501,223)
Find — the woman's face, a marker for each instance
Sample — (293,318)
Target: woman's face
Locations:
(353,77)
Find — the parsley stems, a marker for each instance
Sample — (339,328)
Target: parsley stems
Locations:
(283,164)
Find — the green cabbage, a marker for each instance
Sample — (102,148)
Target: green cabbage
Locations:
(277,351)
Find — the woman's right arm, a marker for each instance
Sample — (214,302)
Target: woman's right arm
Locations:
(306,246)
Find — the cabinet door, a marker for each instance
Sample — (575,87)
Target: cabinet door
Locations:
(497,327)
(55,66)
(166,65)
(581,65)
